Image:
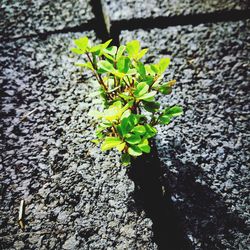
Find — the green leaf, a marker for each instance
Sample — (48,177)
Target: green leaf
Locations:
(133,139)
(150,131)
(126,96)
(134,151)
(109,56)
(149,70)
(97,114)
(126,126)
(106,124)
(125,159)
(165,119)
(133,48)
(100,48)
(105,66)
(82,43)
(126,114)
(141,54)
(121,146)
(132,72)
(171,83)
(123,64)
(119,130)
(117,104)
(141,69)
(120,51)
(154,68)
(106,44)
(174,111)
(111,50)
(118,74)
(77,51)
(141,89)
(144,148)
(110,142)
(99,135)
(165,89)
(96,49)
(149,97)
(140,129)
(151,106)
(96,141)
(86,65)
(128,123)
(149,79)
(129,104)
(134,119)
(163,64)
(141,119)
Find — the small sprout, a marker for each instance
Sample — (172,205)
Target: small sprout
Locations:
(128,89)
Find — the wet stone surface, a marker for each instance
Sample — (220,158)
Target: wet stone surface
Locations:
(76,196)
(129,9)
(205,151)
(24,18)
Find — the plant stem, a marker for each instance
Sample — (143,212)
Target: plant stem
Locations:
(98,77)
(151,86)
(126,83)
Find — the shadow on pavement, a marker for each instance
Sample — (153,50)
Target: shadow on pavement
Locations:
(155,200)
(207,216)
(200,212)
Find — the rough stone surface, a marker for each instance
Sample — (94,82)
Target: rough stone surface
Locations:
(23,18)
(76,196)
(128,9)
(80,198)
(205,152)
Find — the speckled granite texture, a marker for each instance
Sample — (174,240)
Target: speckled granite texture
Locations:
(205,151)
(76,197)
(129,9)
(24,18)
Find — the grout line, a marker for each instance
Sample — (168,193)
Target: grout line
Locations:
(105,29)
(100,25)
(164,22)
(90,25)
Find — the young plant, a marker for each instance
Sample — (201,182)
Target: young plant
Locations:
(128,88)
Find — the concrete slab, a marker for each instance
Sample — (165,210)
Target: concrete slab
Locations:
(129,9)
(24,18)
(205,152)
(76,196)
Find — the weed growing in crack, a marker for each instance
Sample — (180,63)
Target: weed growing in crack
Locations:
(128,88)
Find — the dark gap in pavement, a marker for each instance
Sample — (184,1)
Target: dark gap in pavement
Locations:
(97,24)
(146,172)
(155,199)
(100,27)
(89,26)
(164,22)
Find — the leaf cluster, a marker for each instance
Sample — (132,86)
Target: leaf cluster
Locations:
(128,88)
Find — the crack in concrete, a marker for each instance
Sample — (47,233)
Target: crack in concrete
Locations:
(81,28)
(101,26)
(164,22)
